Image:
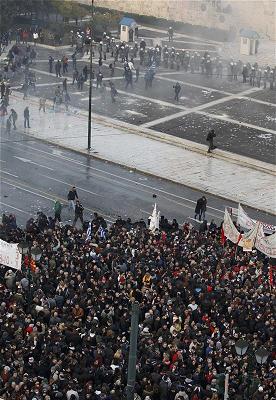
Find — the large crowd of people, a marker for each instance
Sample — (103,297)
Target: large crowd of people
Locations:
(65,323)
(65,319)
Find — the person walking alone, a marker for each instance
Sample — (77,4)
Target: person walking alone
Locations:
(50,61)
(177,89)
(198,209)
(58,69)
(64,85)
(8,125)
(78,212)
(42,104)
(72,197)
(204,207)
(13,117)
(113,91)
(210,138)
(26,118)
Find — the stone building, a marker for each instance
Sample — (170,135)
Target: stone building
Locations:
(258,15)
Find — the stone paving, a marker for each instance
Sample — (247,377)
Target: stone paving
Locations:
(224,178)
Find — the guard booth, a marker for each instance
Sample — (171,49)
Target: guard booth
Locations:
(249,42)
(128,28)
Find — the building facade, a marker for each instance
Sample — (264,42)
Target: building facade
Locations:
(258,15)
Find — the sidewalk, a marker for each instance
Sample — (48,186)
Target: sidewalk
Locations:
(220,177)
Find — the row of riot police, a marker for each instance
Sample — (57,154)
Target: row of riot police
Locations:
(193,61)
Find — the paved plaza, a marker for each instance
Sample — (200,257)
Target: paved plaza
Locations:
(162,136)
(242,116)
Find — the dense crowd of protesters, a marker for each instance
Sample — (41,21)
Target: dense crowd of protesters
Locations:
(65,332)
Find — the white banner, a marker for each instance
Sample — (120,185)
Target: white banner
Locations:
(266,244)
(230,231)
(254,238)
(243,219)
(249,238)
(248,223)
(10,255)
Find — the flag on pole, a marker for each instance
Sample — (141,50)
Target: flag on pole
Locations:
(223,238)
(154,219)
(229,229)
(239,239)
(102,232)
(270,275)
(88,232)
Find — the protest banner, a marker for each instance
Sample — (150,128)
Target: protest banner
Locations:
(10,255)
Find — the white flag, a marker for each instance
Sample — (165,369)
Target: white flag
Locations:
(154,219)
(230,231)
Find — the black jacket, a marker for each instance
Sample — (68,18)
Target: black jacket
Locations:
(72,195)
(79,209)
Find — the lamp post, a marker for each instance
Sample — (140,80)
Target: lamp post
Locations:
(33,253)
(131,371)
(261,355)
(89,134)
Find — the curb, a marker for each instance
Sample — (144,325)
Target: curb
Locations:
(123,126)
(179,142)
(145,172)
(187,144)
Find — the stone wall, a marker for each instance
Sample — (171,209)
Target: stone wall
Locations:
(259,15)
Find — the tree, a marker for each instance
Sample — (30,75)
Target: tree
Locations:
(68,9)
(10,9)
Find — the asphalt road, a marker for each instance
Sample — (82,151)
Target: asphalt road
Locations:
(34,174)
(245,126)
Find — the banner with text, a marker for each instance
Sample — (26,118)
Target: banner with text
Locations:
(246,222)
(10,255)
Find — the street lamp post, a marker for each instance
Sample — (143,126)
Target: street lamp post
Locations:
(131,371)
(89,134)
(33,253)
(261,356)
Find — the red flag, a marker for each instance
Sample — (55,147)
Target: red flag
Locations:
(222,236)
(239,238)
(32,265)
(270,275)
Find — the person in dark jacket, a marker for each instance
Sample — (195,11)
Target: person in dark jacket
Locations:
(198,208)
(13,118)
(210,138)
(177,89)
(26,117)
(72,197)
(204,207)
(78,212)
